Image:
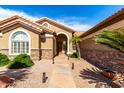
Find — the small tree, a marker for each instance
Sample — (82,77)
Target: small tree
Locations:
(112,38)
(75,40)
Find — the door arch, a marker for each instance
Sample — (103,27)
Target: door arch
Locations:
(62,43)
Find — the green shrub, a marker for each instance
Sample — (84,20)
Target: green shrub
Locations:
(4,60)
(75,55)
(21,61)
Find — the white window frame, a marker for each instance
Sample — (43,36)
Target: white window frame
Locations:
(10,42)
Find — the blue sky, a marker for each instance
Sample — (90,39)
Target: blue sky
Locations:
(81,17)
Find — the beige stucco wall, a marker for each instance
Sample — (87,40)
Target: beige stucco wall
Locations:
(46,47)
(88,42)
(91,44)
(59,30)
(4,40)
(54,46)
(47,44)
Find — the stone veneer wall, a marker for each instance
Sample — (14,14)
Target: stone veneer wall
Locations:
(35,54)
(105,59)
(6,52)
(45,53)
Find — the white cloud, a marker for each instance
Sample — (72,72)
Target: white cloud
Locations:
(80,27)
(5,13)
(74,23)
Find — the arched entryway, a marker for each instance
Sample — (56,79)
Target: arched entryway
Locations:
(62,43)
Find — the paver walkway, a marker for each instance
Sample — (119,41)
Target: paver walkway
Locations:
(62,77)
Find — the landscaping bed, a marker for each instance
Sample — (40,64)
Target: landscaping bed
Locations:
(21,61)
(13,68)
(4,60)
(88,76)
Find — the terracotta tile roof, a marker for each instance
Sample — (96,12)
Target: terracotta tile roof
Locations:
(109,21)
(55,23)
(79,33)
(21,20)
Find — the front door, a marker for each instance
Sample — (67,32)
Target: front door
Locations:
(59,47)
(61,43)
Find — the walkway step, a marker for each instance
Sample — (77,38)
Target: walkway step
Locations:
(62,77)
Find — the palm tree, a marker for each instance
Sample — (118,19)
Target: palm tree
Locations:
(112,38)
(75,40)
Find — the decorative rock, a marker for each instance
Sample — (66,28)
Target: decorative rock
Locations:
(5,81)
(3,84)
(108,59)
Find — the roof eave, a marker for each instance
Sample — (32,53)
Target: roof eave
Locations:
(55,22)
(90,31)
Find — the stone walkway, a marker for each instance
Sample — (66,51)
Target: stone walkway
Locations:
(62,77)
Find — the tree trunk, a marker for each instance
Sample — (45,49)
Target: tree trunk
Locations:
(78,49)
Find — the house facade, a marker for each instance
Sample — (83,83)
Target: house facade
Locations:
(42,39)
(100,54)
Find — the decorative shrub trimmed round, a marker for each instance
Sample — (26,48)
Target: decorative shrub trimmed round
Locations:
(4,60)
(75,55)
(21,61)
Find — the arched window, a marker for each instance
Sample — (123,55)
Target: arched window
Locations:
(19,43)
